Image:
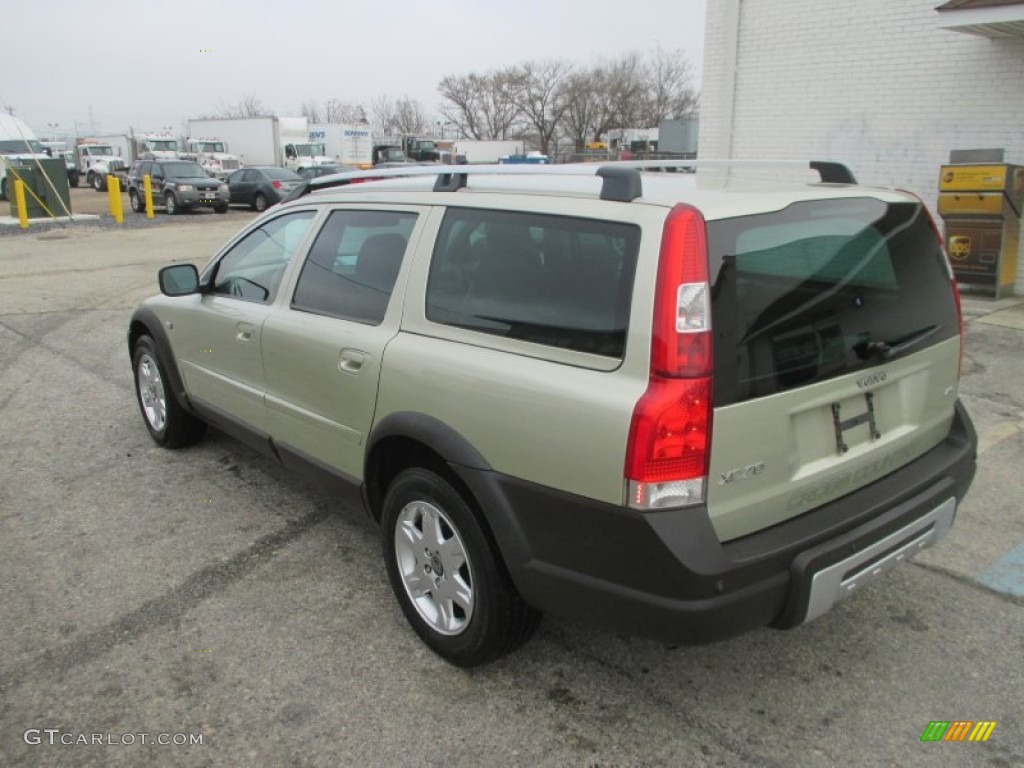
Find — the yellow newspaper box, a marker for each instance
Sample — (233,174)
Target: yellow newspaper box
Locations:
(981,204)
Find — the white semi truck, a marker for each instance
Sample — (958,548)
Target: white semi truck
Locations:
(100,156)
(162,146)
(345,144)
(257,140)
(213,155)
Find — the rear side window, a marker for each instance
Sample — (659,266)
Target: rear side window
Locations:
(822,289)
(554,280)
(353,264)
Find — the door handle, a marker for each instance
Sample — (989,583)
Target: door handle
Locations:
(244,333)
(352,360)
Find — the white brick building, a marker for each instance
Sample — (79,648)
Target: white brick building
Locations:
(888,87)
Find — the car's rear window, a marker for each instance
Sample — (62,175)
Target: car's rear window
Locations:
(285,174)
(553,280)
(821,289)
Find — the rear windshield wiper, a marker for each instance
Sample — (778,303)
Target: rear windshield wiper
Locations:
(884,350)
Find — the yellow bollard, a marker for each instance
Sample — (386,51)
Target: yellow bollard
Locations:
(19,200)
(114,192)
(147,188)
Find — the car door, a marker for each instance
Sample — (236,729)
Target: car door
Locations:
(139,177)
(218,339)
(245,186)
(323,354)
(158,180)
(234,182)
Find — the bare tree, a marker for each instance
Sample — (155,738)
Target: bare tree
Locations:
(625,89)
(548,99)
(248,106)
(463,94)
(382,116)
(337,111)
(311,111)
(670,91)
(578,97)
(499,112)
(537,91)
(590,108)
(409,116)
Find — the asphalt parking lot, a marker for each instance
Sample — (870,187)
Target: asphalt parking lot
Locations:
(205,595)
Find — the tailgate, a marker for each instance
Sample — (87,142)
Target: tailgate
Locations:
(778,456)
(836,344)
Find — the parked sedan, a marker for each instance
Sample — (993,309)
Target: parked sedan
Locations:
(260,186)
(316,171)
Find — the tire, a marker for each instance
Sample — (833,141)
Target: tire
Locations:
(135,201)
(220,208)
(73,180)
(99,182)
(259,202)
(171,203)
(447,574)
(3,188)
(168,423)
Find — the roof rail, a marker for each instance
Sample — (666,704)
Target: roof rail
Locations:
(621,178)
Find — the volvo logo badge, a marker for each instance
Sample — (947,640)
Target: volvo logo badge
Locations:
(870,381)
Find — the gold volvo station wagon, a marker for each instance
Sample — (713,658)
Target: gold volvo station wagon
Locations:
(680,405)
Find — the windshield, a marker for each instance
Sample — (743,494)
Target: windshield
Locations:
(309,150)
(97,149)
(184,170)
(211,146)
(18,145)
(164,145)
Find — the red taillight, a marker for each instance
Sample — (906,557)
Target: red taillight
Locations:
(681,343)
(670,434)
(277,184)
(670,431)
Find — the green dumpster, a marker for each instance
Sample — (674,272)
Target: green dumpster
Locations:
(53,193)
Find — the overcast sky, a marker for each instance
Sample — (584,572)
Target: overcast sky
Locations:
(143,64)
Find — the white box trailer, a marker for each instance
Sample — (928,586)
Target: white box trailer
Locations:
(487,151)
(345,143)
(255,140)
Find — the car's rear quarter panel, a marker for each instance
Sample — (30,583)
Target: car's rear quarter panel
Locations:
(550,416)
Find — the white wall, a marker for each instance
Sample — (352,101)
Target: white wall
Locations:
(876,84)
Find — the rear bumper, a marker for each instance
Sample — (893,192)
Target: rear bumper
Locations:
(666,575)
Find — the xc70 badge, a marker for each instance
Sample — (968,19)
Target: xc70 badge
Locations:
(741,473)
